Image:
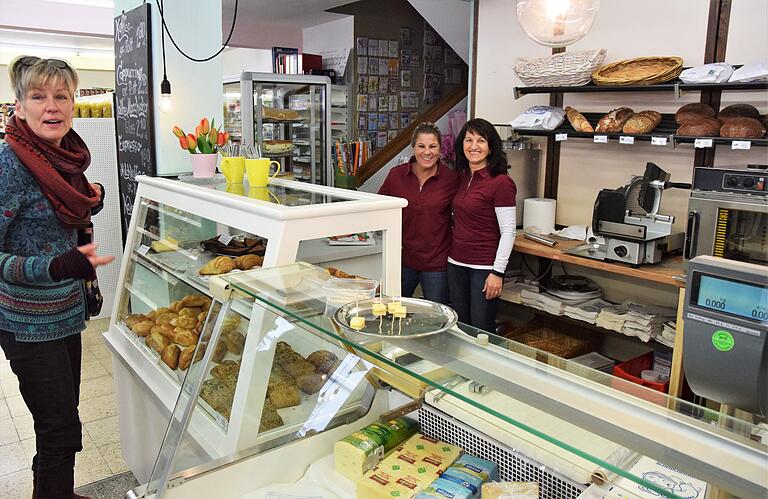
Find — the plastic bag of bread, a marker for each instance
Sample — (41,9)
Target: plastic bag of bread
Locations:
(613,122)
(718,72)
(539,118)
(742,128)
(642,122)
(577,120)
(702,127)
(750,72)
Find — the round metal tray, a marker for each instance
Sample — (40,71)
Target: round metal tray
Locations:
(423,318)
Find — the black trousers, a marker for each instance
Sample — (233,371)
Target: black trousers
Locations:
(49,381)
(465,287)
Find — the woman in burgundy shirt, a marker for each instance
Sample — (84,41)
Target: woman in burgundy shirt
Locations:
(483,225)
(429,186)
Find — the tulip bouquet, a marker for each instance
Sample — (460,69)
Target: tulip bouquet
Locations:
(206,139)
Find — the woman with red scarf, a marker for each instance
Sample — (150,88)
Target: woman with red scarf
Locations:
(45,204)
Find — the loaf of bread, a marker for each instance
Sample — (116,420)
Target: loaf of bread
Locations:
(219,265)
(311,383)
(613,122)
(284,395)
(324,361)
(742,128)
(577,120)
(170,355)
(269,417)
(642,122)
(738,111)
(702,127)
(693,111)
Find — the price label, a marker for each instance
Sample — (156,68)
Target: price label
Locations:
(222,422)
(658,141)
(143,249)
(741,144)
(559,137)
(626,140)
(225,239)
(601,139)
(702,143)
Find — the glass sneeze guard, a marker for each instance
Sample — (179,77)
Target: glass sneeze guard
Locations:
(593,404)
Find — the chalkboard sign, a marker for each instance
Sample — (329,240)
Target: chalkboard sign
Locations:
(133,104)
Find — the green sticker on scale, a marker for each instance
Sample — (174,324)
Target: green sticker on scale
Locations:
(722,340)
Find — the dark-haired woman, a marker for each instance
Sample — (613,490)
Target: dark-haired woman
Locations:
(45,201)
(484,223)
(429,186)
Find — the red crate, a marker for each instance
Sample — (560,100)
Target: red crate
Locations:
(631,369)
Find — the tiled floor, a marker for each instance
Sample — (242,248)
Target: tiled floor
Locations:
(100,458)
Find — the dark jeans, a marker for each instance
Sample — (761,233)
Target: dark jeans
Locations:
(465,286)
(49,381)
(434,285)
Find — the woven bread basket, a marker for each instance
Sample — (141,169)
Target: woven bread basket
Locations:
(567,69)
(639,71)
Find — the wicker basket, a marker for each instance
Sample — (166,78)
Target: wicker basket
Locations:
(567,69)
(639,71)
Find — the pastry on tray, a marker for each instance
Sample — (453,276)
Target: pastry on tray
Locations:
(170,355)
(279,114)
(219,265)
(236,247)
(218,395)
(247,262)
(142,328)
(278,146)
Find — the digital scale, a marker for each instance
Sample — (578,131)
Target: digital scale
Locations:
(726,325)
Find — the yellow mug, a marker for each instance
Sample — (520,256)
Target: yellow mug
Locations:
(235,188)
(258,171)
(233,169)
(263,194)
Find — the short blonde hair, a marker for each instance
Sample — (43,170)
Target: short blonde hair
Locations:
(426,128)
(28,71)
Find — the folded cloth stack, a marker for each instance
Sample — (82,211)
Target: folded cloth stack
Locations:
(587,311)
(511,291)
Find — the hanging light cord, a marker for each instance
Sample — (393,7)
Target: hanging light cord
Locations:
(166,30)
(162,40)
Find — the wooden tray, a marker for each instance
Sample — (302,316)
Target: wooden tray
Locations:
(639,71)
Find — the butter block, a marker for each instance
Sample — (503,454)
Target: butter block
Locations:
(357,323)
(510,490)
(444,489)
(481,468)
(379,309)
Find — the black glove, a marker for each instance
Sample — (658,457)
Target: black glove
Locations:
(71,265)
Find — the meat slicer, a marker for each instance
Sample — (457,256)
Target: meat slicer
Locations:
(629,221)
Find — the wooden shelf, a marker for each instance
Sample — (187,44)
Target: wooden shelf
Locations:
(669,271)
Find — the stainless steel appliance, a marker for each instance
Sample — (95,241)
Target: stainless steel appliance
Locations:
(728,214)
(628,219)
(524,160)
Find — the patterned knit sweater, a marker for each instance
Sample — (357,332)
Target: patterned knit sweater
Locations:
(32,305)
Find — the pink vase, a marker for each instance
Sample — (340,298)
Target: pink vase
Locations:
(203,165)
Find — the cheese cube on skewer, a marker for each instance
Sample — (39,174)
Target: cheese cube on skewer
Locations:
(357,323)
(379,309)
(393,305)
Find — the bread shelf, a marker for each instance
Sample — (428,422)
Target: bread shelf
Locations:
(677,87)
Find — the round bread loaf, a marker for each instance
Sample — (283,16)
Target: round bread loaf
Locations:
(692,111)
(738,111)
(702,127)
(742,128)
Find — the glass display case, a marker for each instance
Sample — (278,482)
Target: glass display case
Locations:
(181,235)
(307,381)
(290,121)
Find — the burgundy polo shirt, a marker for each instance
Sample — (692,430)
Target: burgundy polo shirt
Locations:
(427,218)
(476,232)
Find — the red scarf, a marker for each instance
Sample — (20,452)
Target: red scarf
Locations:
(58,170)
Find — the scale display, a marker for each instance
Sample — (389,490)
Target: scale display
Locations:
(733,297)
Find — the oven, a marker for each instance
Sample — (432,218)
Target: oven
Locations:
(728,215)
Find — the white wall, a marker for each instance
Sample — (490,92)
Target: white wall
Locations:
(339,34)
(56,16)
(104,79)
(237,60)
(450,18)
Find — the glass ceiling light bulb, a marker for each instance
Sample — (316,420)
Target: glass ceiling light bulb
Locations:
(556,23)
(165,95)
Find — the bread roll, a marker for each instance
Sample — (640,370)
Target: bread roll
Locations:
(176,306)
(166,318)
(703,127)
(219,351)
(693,111)
(157,342)
(185,358)
(134,319)
(613,122)
(577,120)
(142,328)
(742,128)
(184,322)
(284,395)
(270,419)
(324,361)
(170,355)
(184,337)
(190,311)
(164,329)
(642,122)
(196,300)
(201,316)
(311,383)
(235,342)
(738,111)
(230,323)
(297,366)
(163,310)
